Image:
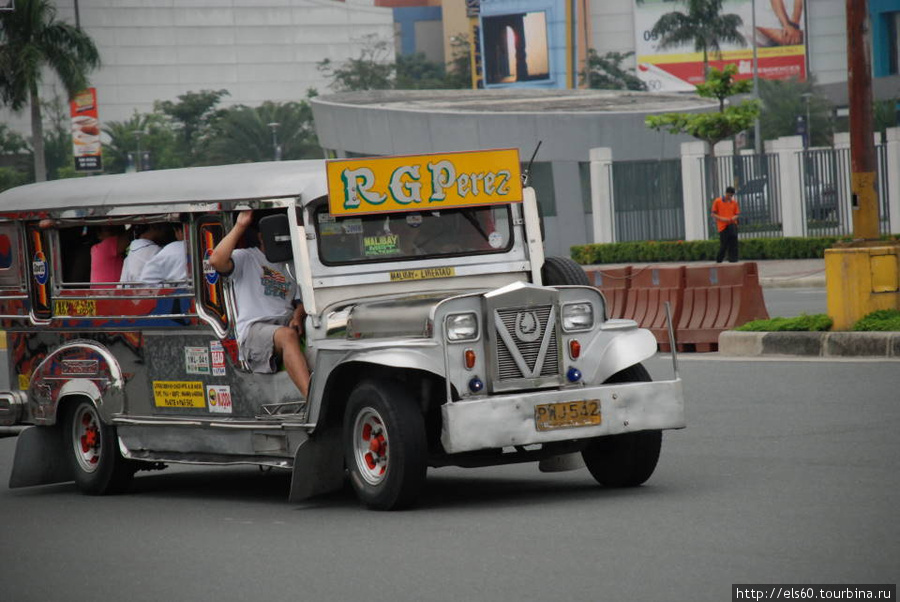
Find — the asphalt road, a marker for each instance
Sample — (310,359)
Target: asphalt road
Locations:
(786,473)
(790,302)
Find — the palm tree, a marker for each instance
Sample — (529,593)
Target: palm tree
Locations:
(245,134)
(703,24)
(31,38)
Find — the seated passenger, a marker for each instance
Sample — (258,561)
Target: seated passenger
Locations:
(169,266)
(142,248)
(267,325)
(108,255)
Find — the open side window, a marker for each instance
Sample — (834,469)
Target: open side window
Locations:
(211,304)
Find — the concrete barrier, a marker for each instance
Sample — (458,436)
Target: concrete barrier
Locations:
(614,284)
(718,298)
(651,288)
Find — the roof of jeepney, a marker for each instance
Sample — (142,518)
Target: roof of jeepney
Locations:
(220,183)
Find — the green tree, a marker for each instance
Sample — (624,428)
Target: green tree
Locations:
(713,128)
(416,72)
(605,72)
(373,69)
(703,24)
(244,135)
(192,115)
(884,114)
(459,68)
(57,136)
(30,39)
(783,102)
(152,132)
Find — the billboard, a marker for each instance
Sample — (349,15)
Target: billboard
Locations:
(86,147)
(780,37)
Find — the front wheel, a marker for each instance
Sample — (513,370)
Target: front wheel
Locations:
(629,459)
(385,446)
(93,451)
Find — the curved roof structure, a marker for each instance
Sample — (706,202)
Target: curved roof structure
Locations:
(303,179)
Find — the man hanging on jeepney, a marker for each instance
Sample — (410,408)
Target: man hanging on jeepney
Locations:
(270,317)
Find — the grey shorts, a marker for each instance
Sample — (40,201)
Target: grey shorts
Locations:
(259,346)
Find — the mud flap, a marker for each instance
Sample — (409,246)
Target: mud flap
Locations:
(40,458)
(318,466)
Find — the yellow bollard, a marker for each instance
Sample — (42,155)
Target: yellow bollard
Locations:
(860,280)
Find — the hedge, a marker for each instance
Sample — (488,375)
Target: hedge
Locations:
(706,250)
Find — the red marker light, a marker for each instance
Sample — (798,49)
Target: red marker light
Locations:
(574,349)
(470,359)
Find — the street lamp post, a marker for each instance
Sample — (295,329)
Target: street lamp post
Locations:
(137,160)
(274,127)
(807,96)
(757,142)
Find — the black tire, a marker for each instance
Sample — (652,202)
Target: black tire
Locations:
(93,452)
(626,460)
(385,446)
(562,270)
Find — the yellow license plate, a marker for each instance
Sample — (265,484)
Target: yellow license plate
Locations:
(568,414)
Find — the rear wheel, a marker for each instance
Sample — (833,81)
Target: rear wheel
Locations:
(626,460)
(93,451)
(385,446)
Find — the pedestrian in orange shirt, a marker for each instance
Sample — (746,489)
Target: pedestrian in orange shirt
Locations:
(725,210)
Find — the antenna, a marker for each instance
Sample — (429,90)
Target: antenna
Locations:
(530,162)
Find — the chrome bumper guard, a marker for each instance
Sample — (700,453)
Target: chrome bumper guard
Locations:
(509,420)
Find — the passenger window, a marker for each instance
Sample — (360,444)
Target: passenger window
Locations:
(12,277)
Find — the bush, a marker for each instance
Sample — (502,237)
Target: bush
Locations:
(881,320)
(801,323)
(704,250)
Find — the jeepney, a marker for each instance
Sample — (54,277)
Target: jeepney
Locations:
(437,333)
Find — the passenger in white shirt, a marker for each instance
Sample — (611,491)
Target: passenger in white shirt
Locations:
(141,250)
(169,266)
(269,319)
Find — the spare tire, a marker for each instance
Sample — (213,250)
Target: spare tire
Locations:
(562,270)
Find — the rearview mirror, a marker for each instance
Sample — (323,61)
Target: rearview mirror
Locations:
(276,237)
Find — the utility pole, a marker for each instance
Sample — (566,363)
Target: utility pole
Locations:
(862,149)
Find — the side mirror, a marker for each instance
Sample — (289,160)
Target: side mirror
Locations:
(276,237)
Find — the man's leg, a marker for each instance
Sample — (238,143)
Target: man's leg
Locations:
(732,243)
(287,345)
(723,245)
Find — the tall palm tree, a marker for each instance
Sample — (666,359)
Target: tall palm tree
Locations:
(31,38)
(703,24)
(245,134)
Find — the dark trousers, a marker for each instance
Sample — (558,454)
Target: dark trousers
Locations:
(728,243)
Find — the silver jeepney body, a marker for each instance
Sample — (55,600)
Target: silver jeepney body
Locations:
(483,393)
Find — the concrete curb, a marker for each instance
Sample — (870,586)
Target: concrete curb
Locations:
(811,344)
(817,281)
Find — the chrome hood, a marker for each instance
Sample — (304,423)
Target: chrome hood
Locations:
(394,316)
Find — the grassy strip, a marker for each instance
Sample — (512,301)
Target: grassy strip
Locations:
(883,320)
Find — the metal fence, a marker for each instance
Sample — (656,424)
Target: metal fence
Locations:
(827,194)
(648,200)
(755,180)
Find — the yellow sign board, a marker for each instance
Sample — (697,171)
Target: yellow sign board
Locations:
(423,182)
(425,274)
(178,394)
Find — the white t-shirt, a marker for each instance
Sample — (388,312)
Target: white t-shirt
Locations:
(168,265)
(262,290)
(139,252)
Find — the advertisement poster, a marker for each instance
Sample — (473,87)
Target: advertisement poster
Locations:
(86,131)
(780,36)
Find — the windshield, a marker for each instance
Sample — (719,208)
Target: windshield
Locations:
(412,235)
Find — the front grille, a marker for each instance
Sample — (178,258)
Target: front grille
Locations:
(508,367)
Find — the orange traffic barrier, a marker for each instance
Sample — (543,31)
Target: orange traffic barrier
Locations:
(614,284)
(651,288)
(718,298)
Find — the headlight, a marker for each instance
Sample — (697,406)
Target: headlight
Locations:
(577,316)
(462,327)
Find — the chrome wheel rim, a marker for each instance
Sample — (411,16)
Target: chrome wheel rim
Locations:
(370,446)
(87,438)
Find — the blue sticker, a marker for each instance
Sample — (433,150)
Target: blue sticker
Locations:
(40,268)
(212,276)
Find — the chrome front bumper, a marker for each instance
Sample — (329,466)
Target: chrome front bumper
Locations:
(508,420)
